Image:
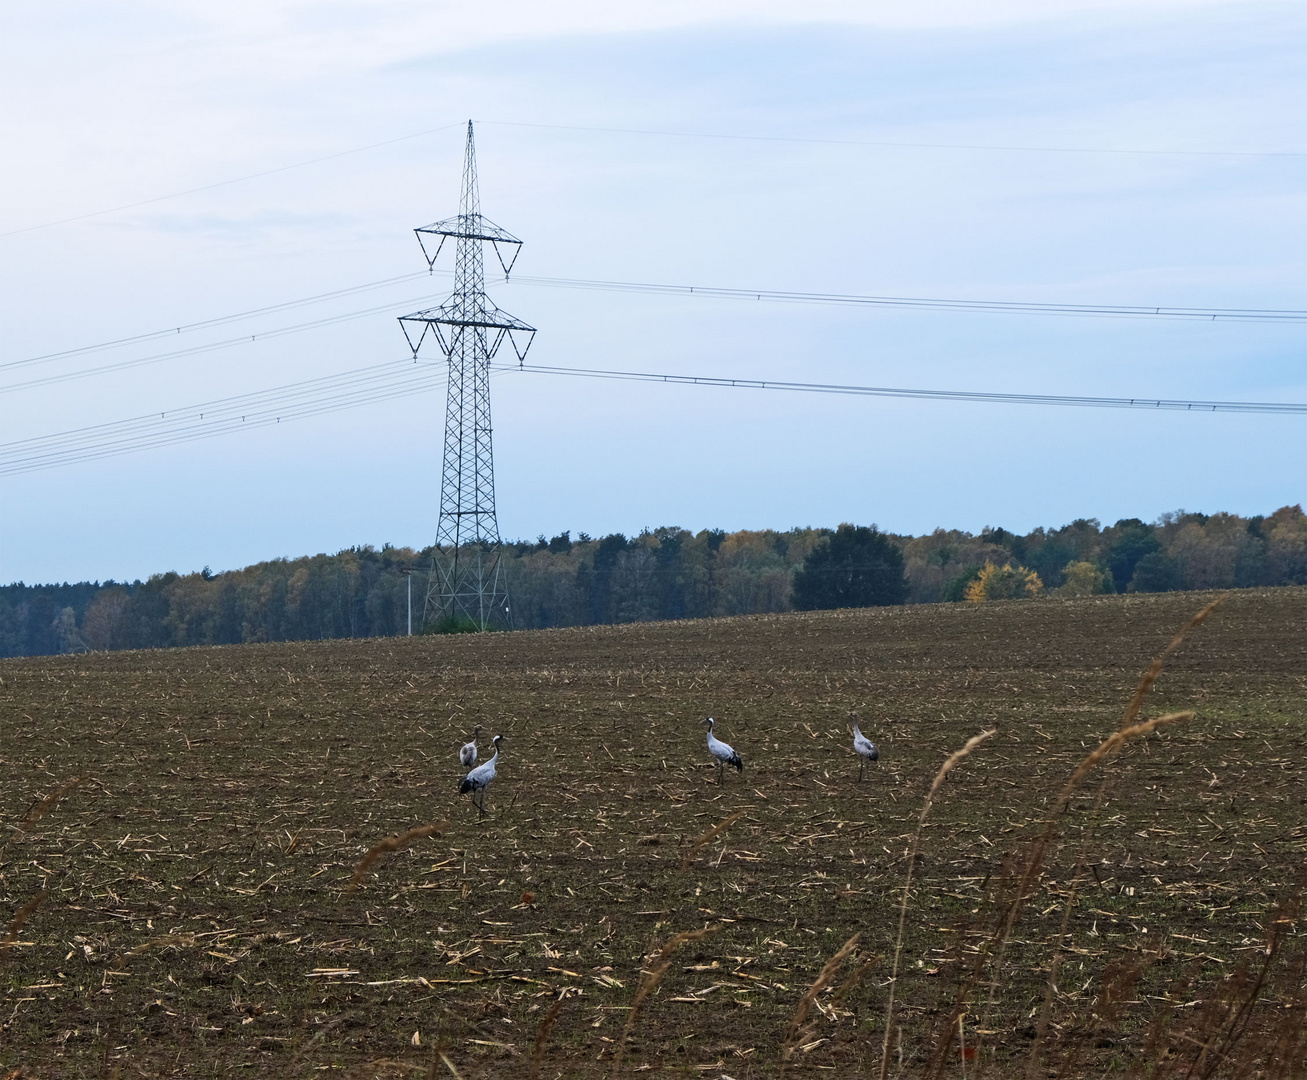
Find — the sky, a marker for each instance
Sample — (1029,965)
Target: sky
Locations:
(175,163)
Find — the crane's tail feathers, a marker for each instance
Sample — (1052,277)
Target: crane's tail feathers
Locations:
(738,762)
(466,786)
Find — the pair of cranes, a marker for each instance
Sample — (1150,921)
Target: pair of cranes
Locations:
(726,755)
(478,779)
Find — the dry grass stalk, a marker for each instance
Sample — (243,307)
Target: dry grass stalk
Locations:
(41,809)
(542,1037)
(1146,683)
(652,977)
(450,1066)
(1155,668)
(1108,746)
(20,917)
(392,843)
(796,1033)
(708,836)
(1130,729)
(940,776)
(1034,863)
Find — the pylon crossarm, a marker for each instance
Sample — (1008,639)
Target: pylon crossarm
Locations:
(467,227)
(515,247)
(454,313)
(522,350)
(431,256)
(421,333)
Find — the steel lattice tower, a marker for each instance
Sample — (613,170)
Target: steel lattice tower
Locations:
(467,578)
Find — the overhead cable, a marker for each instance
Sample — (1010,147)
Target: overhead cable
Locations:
(228,182)
(194,350)
(901,144)
(1150,404)
(1009,307)
(886,143)
(206,324)
(281,404)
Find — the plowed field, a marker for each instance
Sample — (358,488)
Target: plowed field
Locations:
(195,916)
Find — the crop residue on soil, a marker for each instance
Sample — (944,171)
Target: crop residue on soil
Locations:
(198,914)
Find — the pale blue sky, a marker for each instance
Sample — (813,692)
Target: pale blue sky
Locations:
(109,104)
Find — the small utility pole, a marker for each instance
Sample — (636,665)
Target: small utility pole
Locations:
(409,574)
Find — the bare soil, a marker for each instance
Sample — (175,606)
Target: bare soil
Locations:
(196,918)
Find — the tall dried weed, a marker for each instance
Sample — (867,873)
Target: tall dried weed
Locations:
(940,777)
(392,843)
(708,836)
(652,976)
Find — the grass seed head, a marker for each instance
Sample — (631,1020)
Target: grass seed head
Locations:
(392,843)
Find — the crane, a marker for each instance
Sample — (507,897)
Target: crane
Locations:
(467,753)
(865,747)
(723,753)
(479,779)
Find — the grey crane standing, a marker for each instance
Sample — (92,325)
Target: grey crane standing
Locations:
(723,753)
(467,753)
(479,779)
(865,747)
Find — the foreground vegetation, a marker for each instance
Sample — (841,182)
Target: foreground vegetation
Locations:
(664,573)
(185,831)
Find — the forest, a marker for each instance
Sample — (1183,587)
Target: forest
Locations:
(664,573)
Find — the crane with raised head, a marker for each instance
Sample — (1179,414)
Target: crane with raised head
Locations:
(724,754)
(479,779)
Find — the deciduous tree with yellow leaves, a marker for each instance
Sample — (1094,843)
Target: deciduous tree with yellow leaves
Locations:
(1006,582)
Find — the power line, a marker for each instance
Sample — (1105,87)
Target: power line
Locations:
(902,144)
(226,183)
(889,144)
(1010,307)
(364,386)
(206,324)
(194,350)
(1152,404)
(312,397)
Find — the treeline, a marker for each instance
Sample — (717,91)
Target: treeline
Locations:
(666,573)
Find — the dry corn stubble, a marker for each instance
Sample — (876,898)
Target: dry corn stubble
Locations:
(1035,668)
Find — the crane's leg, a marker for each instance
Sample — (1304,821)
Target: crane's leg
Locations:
(862,765)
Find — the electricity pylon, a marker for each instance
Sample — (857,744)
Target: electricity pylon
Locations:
(467,577)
